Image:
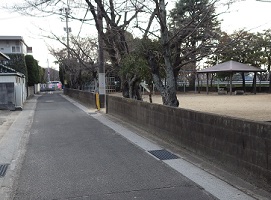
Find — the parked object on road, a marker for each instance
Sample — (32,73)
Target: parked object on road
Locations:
(56,85)
(51,86)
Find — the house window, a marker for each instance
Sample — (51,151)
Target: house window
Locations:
(15,49)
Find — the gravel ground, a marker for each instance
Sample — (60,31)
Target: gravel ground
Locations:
(6,119)
(248,106)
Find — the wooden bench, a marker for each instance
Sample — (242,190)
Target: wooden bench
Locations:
(239,92)
(221,91)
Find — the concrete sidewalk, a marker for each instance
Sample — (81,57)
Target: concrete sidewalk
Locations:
(14,126)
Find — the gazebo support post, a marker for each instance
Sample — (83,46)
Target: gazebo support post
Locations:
(254,82)
(244,81)
(198,83)
(231,83)
(260,88)
(207,87)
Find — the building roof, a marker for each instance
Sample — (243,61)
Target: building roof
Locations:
(231,66)
(3,56)
(7,71)
(12,38)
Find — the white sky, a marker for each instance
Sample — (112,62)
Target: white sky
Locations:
(250,14)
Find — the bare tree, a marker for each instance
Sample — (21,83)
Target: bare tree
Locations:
(117,16)
(83,56)
(168,90)
(191,37)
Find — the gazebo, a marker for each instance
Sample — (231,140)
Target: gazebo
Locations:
(231,67)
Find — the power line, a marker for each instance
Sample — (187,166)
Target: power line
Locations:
(82,23)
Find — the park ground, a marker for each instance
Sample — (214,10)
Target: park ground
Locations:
(250,106)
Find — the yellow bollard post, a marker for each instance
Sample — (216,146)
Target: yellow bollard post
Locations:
(97,101)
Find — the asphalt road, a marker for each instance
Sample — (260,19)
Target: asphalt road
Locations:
(72,155)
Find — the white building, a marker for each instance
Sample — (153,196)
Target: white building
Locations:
(14,45)
(12,87)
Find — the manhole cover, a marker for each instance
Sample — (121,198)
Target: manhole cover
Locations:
(3,169)
(163,154)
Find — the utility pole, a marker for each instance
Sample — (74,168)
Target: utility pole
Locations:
(102,86)
(67,29)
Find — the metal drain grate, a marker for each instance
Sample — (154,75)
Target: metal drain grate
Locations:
(163,154)
(3,169)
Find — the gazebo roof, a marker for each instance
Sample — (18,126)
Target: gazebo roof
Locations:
(231,66)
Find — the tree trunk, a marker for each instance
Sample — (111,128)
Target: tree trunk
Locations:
(168,92)
(169,98)
(125,88)
(131,89)
(137,91)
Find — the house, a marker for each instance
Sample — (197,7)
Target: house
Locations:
(3,57)
(12,87)
(14,45)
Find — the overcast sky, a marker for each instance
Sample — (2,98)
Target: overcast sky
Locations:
(250,14)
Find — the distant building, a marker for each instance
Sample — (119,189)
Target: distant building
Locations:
(14,45)
(16,49)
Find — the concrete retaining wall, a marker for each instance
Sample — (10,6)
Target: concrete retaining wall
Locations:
(240,145)
(31,91)
(84,97)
